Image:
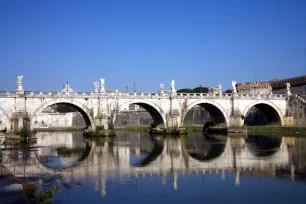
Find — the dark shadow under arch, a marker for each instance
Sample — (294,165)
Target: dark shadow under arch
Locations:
(157,120)
(262,114)
(207,115)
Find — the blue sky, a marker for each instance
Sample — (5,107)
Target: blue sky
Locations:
(150,42)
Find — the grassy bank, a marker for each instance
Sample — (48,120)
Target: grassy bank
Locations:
(193,128)
(136,128)
(146,128)
(168,131)
(250,129)
(276,129)
(68,129)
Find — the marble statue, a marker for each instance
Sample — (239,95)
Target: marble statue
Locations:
(234,86)
(288,89)
(96,84)
(220,89)
(161,88)
(102,87)
(19,83)
(173,86)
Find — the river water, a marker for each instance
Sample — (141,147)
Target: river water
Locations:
(134,167)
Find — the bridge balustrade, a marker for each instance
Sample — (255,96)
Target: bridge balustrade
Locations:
(7,93)
(141,95)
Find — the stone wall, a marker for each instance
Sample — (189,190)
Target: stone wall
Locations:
(196,116)
(296,113)
(133,117)
(301,89)
(60,120)
(254,88)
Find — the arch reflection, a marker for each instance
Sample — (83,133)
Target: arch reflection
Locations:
(261,146)
(139,147)
(60,150)
(205,148)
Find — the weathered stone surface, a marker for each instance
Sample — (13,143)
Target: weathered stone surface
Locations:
(168,110)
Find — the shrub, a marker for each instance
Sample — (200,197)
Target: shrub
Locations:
(100,128)
(44,196)
(24,133)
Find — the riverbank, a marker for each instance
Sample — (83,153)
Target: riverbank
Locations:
(50,129)
(136,128)
(154,131)
(245,129)
(146,128)
(277,129)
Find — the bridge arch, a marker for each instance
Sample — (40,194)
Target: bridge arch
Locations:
(266,105)
(214,106)
(154,109)
(79,106)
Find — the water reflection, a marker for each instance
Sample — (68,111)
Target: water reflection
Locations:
(263,145)
(58,150)
(205,148)
(69,161)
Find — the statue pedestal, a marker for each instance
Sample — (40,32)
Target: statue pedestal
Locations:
(20,92)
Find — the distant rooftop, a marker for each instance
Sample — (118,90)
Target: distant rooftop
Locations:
(294,81)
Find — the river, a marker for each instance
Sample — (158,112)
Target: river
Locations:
(134,167)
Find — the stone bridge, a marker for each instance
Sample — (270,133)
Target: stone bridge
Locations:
(167,108)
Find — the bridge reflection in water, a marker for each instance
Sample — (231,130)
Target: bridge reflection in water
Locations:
(69,158)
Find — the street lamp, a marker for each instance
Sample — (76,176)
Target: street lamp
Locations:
(134,87)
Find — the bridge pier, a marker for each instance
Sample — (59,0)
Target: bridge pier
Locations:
(236,121)
(18,121)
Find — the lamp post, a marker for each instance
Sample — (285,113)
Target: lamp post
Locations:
(134,87)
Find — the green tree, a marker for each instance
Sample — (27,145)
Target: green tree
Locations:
(185,91)
(228,91)
(200,90)
(195,90)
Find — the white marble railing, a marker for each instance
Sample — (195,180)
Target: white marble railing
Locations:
(54,94)
(301,99)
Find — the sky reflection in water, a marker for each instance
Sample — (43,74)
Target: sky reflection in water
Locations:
(134,167)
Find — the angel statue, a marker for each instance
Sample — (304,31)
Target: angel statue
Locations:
(102,82)
(96,84)
(173,86)
(19,82)
(234,86)
(161,87)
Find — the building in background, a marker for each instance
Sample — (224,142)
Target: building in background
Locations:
(254,88)
(214,90)
(275,86)
(297,85)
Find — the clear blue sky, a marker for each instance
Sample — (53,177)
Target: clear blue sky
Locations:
(150,42)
